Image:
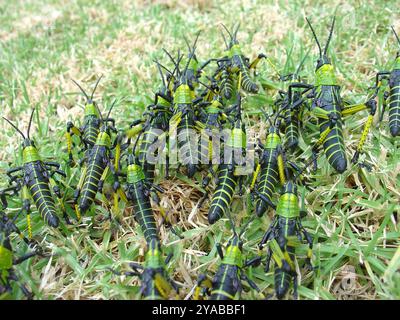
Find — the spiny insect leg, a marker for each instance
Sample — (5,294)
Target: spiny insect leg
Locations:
(371,104)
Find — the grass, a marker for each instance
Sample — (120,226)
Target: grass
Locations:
(352,217)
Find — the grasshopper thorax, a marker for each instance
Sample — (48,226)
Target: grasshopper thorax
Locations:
(104,139)
(273,139)
(233,255)
(30,152)
(135,173)
(153,257)
(325,75)
(236,139)
(91,110)
(324,71)
(183,95)
(235,50)
(288,205)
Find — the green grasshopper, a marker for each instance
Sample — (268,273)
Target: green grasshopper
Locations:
(34,178)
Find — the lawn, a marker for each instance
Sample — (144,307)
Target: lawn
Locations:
(352,217)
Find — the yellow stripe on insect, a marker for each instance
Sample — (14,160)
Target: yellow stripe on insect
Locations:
(29,224)
(309,253)
(352,109)
(69,142)
(320,113)
(223,293)
(365,132)
(323,136)
(175,121)
(162,285)
(278,261)
(78,212)
(255,175)
(117,156)
(281,168)
(277,253)
(132,132)
(105,173)
(76,131)
(116,204)
(164,215)
(289,260)
(196,295)
(122,195)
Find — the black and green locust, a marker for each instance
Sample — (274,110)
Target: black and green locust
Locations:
(212,116)
(235,63)
(283,236)
(154,125)
(293,113)
(98,163)
(392,96)
(328,107)
(228,171)
(155,282)
(227,282)
(182,124)
(7,258)
(89,131)
(270,168)
(35,179)
(137,191)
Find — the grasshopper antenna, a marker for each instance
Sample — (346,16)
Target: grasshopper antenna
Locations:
(226,43)
(112,106)
(162,66)
(170,56)
(30,123)
(187,43)
(195,42)
(15,127)
(208,87)
(83,91)
(397,37)
(95,87)
(315,37)
(161,74)
(330,35)
(236,31)
(226,29)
